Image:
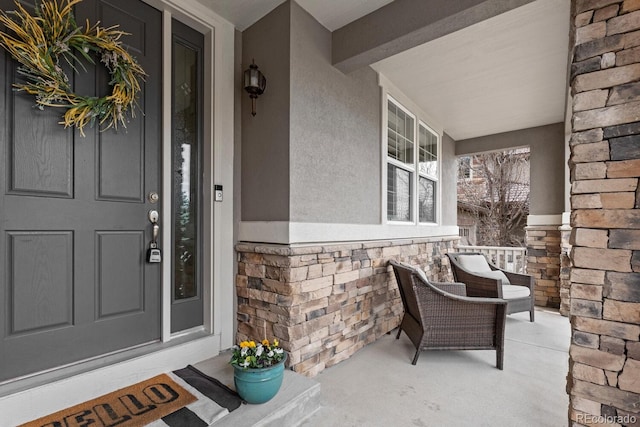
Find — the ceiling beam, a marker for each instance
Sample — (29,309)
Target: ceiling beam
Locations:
(403,24)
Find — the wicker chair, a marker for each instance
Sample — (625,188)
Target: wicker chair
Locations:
(438,316)
(492,282)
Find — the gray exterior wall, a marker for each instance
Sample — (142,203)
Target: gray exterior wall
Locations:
(449,182)
(313,152)
(265,137)
(335,132)
(547,144)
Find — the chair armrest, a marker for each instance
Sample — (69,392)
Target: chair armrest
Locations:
(478,300)
(453,318)
(455,288)
(479,286)
(423,291)
(520,279)
(440,309)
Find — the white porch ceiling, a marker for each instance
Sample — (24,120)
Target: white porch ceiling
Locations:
(506,73)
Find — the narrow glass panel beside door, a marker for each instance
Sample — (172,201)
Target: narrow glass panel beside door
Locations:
(186,171)
(185,194)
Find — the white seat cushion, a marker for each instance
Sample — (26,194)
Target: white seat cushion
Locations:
(513,292)
(474,263)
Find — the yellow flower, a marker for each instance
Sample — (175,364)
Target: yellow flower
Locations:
(244,344)
(265,342)
(252,344)
(276,342)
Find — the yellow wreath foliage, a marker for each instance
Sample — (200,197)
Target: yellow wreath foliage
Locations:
(38,42)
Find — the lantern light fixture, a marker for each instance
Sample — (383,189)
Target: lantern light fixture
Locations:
(254,83)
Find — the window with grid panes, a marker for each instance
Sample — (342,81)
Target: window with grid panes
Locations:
(464,168)
(428,173)
(412,167)
(400,163)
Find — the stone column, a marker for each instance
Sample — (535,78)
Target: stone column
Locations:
(604,364)
(543,263)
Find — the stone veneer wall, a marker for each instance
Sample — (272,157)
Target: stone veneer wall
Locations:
(565,270)
(325,302)
(604,365)
(543,263)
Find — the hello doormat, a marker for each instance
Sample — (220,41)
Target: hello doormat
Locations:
(184,398)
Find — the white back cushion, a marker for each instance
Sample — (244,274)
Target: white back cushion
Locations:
(422,274)
(417,270)
(477,264)
(474,263)
(496,274)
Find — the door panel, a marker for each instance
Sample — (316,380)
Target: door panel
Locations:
(74,230)
(120,273)
(42,263)
(41,160)
(120,165)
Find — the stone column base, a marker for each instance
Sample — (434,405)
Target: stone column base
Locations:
(543,263)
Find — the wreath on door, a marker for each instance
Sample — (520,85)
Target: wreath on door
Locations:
(42,42)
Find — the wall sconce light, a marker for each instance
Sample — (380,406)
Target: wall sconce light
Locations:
(254,84)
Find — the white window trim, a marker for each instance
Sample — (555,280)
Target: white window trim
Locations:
(218,72)
(435,178)
(411,168)
(391,92)
(430,129)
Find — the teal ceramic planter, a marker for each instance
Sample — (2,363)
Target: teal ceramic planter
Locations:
(259,385)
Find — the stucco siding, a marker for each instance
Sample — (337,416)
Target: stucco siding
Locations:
(335,132)
(265,137)
(448,185)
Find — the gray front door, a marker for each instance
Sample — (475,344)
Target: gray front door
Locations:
(74,229)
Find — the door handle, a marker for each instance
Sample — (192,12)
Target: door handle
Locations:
(154,255)
(153,218)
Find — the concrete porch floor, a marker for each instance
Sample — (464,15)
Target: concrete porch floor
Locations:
(378,386)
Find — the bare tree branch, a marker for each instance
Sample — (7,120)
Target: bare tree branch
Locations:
(494,189)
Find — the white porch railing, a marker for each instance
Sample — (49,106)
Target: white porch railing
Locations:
(510,259)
